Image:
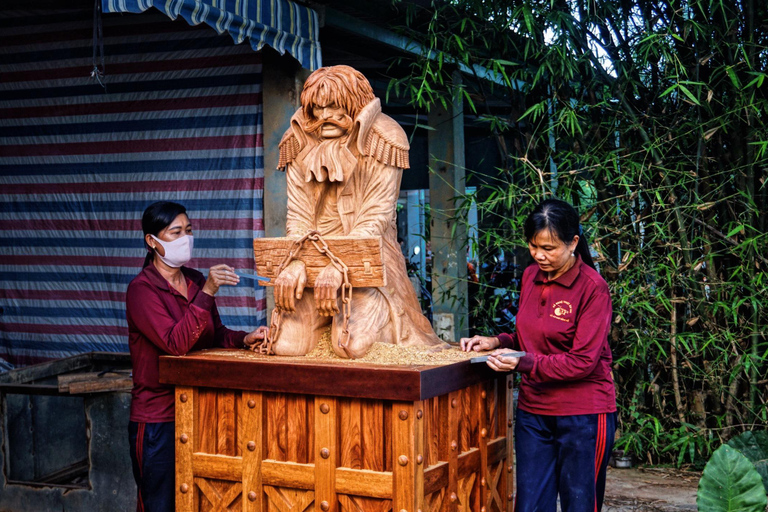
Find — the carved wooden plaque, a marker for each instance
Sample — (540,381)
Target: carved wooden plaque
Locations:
(362,256)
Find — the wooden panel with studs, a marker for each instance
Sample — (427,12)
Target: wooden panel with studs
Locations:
(261,451)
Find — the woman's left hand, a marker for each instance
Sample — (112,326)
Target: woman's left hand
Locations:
(254,337)
(502,364)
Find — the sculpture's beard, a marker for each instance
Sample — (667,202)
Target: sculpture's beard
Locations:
(329,160)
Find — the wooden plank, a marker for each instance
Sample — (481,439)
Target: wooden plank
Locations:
(467,463)
(186,490)
(362,482)
(253,447)
(239,426)
(407,447)
(454,413)
(497,450)
(484,395)
(288,474)
(372,434)
(66,379)
(435,477)
(326,452)
(362,256)
(276,427)
(40,371)
(387,430)
(29,374)
(207,421)
(296,428)
(506,412)
(350,430)
(432,432)
(358,482)
(219,467)
(354,380)
(466,420)
(227,418)
(100,385)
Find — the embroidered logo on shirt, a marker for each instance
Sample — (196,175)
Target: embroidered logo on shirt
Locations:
(562,309)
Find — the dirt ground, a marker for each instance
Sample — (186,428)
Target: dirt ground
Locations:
(650,490)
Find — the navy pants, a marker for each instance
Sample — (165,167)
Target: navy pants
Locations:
(153,454)
(562,455)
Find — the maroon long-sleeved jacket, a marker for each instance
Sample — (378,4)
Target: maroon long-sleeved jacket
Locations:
(161,321)
(563,327)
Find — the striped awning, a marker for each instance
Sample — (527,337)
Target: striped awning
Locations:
(281,24)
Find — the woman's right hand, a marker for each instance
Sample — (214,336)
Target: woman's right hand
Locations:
(479,343)
(219,275)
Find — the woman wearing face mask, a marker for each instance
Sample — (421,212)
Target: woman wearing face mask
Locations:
(170,310)
(566,413)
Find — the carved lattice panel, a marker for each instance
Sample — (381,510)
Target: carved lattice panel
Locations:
(495,500)
(282,499)
(360,504)
(218,495)
(434,502)
(464,494)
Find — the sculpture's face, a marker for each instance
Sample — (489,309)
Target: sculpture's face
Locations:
(332,117)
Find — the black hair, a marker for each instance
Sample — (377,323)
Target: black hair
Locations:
(560,219)
(156,218)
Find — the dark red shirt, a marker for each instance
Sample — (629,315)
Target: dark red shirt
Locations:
(563,327)
(161,321)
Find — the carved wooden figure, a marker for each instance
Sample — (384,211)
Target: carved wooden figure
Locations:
(343,160)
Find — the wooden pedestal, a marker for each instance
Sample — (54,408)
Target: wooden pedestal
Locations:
(258,434)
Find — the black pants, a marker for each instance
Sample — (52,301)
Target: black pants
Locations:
(565,456)
(153,454)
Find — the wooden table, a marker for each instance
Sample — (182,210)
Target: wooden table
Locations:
(257,433)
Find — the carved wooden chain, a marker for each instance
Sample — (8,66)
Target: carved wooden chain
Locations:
(346,291)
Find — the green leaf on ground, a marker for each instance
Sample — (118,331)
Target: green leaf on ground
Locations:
(730,483)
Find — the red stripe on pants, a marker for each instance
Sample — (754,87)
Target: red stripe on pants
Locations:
(139,453)
(599,448)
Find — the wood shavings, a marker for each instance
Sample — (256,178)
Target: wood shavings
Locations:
(379,354)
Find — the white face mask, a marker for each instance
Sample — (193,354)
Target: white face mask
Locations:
(177,252)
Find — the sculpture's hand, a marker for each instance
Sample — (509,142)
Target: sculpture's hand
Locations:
(327,287)
(289,285)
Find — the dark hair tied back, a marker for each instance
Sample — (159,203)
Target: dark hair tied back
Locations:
(560,219)
(156,218)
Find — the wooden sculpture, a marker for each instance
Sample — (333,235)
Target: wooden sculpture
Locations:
(343,160)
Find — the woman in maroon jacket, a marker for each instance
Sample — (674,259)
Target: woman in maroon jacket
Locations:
(170,310)
(566,414)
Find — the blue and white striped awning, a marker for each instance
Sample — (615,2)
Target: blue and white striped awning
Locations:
(281,24)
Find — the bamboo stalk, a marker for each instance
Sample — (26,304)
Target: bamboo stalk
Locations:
(673,357)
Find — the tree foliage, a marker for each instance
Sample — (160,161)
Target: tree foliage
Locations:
(650,116)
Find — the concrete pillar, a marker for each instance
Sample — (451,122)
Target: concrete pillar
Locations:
(282,81)
(448,238)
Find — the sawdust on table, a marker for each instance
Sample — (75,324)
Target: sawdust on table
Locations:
(379,353)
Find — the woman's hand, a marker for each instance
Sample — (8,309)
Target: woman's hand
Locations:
(327,291)
(502,364)
(479,343)
(257,336)
(289,285)
(219,275)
